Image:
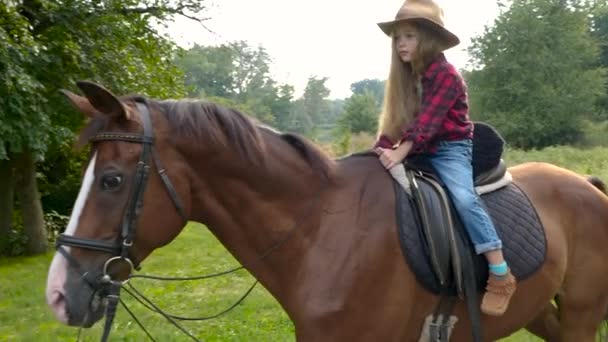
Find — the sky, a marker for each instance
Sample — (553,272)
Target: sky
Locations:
(337,39)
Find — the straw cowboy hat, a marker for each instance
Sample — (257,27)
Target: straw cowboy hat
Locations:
(424,12)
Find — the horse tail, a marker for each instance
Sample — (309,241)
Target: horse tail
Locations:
(598,183)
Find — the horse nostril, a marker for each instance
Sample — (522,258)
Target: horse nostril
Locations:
(56,301)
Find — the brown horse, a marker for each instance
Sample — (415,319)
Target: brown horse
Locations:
(326,228)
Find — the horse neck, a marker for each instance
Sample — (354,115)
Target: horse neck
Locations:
(252,207)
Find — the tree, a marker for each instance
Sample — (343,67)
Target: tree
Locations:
(335,112)
(360,114)
(283,106)
(375,87)
(50,44)
(537,73)
(600,32)
(235,72)
(315,102)
(208,70)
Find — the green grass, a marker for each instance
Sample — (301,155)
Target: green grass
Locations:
(590,161)
(24,315)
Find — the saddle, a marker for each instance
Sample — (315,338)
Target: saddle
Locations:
(432,238)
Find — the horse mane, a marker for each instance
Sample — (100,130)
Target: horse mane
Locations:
(317,159)
(207,123)
(215,125)
(228,127)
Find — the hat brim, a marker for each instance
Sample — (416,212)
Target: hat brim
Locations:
(450,40)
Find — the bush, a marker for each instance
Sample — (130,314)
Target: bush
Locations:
(16,240)
(55,225)
(594,134)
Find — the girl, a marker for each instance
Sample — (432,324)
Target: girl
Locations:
(426,112)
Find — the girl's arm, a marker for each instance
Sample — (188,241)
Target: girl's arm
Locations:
(390,158)
(442,94)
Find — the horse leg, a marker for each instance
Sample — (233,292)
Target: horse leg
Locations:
(581,321)
(546,324)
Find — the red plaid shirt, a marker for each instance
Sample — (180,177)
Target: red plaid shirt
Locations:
(444,111)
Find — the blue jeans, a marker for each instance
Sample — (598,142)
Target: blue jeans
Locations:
(452,162)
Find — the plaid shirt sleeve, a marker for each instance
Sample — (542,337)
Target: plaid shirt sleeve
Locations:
(383,142)
(437,100)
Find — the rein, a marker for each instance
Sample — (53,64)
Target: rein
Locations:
(110,288)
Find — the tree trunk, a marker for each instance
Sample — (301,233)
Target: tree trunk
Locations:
(7,182)
(31,207)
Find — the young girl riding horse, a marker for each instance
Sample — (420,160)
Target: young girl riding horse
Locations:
(426,113)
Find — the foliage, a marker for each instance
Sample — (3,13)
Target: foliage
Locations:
(312,108)
(360,114)
(538,73)
(51,44)
(59,177)
(16,241)
(374,87)
(315,99)
(600,32)
(240,74)
(283,106)
(55,224)
(23,122)
(208,70)
(336,110)
(341,145)
(594,134)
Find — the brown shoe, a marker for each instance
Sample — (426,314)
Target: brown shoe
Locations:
(498,294)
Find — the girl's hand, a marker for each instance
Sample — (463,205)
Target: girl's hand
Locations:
(389,158)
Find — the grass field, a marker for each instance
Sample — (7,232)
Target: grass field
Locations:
(24,315)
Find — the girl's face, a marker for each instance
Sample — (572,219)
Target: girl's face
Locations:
(405,38)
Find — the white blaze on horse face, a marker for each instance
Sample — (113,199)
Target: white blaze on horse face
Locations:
(55,295)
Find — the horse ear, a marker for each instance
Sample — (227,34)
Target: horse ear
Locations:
(81,103)
(102,99)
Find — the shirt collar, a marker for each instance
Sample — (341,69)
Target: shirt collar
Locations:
(434,66)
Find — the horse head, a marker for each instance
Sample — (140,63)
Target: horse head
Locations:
(110,231)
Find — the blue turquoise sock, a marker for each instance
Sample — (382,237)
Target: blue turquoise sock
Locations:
(499,269)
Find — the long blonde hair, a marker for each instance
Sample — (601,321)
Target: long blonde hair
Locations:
(403,91)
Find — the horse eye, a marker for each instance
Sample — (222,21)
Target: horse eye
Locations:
(111,182)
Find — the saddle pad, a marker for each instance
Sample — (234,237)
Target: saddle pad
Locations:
(516,222)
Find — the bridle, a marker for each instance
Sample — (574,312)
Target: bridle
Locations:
(120,248)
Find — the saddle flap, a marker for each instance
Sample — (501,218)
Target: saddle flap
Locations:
(436,222)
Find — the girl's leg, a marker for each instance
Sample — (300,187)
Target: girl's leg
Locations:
(452,162)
